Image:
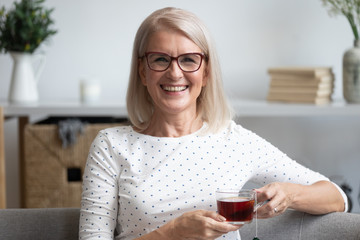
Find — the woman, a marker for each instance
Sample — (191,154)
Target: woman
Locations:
(156,179)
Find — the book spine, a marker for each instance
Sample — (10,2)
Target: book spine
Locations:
(301,72)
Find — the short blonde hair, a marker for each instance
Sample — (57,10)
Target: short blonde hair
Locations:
(212,105)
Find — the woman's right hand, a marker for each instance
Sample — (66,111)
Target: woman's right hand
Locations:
(199,225)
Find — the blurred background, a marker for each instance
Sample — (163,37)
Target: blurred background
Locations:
(94,41)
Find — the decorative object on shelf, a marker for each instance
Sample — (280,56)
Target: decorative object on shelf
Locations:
(351,59)
(351,74)
(23,86)
(90,91)
(22,30)
(301,84)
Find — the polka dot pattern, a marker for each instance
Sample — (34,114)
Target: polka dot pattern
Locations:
(137,183)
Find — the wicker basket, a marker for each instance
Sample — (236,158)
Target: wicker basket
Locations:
(52,174)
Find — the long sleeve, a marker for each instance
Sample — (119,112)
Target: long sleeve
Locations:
(272,165)
(99,205)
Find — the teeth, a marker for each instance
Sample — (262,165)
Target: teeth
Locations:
(174,89)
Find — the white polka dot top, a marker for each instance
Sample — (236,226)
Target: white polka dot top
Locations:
(135,183)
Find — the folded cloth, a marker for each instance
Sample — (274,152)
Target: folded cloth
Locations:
(69,129)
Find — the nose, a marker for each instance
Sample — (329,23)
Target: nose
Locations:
(174,70)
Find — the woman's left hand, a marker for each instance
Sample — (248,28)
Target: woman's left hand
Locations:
(273,199)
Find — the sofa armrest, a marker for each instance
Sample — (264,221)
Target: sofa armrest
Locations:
(298,225)
(39,224)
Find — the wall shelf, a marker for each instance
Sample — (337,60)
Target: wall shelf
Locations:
(242,107)
(261,108)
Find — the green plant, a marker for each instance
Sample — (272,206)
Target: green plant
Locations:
(349,8)
(24,27)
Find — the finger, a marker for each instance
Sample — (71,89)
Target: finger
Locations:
(213,215)
(280,209)
(218,223)
(215,228)
(259,196)
(265,193)
(268,209)
(271,209)
(202,224)
(278,204)
(263,212)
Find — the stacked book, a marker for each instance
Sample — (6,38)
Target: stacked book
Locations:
(301,84)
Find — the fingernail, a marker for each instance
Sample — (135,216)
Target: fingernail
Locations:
(222,219)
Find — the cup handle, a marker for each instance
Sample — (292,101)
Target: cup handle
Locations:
(260,204)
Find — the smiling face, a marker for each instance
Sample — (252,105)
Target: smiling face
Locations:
(172,91)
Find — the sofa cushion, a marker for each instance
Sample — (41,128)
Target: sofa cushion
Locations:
(63,224)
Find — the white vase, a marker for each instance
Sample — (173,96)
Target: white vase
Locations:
(24,78)
(351,74)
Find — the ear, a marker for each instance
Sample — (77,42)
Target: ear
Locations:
(141,69)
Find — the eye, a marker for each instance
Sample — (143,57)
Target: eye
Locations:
(190,59)
(159,58)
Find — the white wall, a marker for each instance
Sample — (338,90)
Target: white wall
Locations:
(95,41)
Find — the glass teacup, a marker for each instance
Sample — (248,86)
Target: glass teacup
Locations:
(236,205)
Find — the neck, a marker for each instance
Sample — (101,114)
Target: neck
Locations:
(173,126)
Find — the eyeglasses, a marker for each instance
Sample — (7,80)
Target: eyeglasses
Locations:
(188,62)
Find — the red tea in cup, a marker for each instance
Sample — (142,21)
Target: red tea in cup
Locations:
(237,206)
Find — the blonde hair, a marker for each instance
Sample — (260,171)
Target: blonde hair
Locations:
(212,104)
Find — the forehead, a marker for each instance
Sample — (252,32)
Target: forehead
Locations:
(171,42)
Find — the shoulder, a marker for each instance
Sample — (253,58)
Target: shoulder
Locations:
(116,131)
(236,132)
(108,135)
(236,129)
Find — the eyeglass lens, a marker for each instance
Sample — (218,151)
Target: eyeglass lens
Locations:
(187,62)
